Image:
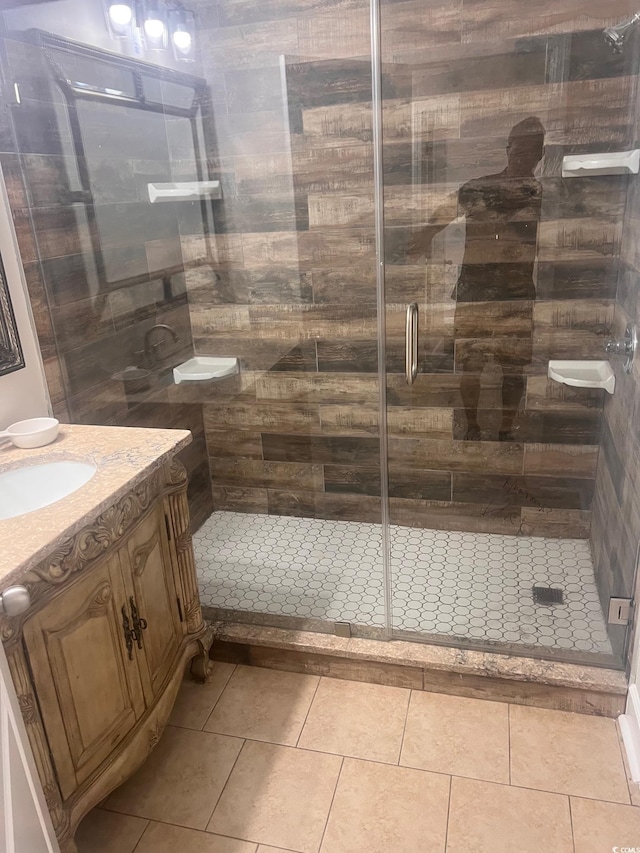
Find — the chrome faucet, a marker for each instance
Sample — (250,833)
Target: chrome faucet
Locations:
(625,347)
(151,349)
(619,347)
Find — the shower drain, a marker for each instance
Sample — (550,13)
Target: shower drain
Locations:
(547,595)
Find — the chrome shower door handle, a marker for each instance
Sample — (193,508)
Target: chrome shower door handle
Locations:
(411,344)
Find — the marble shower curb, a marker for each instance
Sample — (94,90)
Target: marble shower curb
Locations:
(440,669)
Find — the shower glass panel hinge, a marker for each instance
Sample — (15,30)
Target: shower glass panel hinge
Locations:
(619,611)
(342,629)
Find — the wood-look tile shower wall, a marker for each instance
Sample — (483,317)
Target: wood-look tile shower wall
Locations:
(288,281)
(89,329)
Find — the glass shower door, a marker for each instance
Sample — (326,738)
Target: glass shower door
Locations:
(491,270)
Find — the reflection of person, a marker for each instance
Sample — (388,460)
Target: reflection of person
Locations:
(502,212)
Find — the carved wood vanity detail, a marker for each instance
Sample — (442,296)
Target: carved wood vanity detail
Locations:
(98,658)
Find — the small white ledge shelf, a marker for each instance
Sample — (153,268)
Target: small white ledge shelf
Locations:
(583,374)
(204,367)
(184,191)
(617,163)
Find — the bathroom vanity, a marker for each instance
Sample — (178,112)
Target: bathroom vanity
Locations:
(113,617)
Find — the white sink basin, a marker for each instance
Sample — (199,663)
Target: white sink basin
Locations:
(26,489)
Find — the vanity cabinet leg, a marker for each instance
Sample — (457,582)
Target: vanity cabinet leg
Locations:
(201,663)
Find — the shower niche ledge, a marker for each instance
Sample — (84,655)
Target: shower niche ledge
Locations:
(583,374)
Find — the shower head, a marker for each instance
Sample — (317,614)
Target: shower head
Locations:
(616,36)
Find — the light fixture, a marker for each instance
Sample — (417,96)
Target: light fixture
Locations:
(183,30)
(155,25)
(119,19)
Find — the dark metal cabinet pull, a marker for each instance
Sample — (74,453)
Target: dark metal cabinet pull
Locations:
(139,624)
(128,633)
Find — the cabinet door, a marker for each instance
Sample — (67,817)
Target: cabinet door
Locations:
(89,688)
(154,595)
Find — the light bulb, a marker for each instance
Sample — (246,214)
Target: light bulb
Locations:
(120,17)
(182,40)
(154,29)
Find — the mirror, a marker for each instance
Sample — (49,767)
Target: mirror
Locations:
(11,356)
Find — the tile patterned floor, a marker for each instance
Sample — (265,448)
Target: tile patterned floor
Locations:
(261,761)
(468,585)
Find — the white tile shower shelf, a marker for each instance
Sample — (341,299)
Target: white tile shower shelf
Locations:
(583,374)
(201,368)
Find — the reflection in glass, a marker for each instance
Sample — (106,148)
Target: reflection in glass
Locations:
(502,214)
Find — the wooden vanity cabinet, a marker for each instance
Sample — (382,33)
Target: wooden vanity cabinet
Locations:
(98,658)
(153,602)
(89,690)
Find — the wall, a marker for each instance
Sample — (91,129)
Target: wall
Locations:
(283,273)
(92,323)
(23,393)
(289,284)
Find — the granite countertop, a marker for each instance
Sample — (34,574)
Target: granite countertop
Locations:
(123,456)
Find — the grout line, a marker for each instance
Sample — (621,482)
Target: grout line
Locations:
(306,716)
(404,728)
(326,823)
(234,838)
(446,830)
(203,831)
(213,707)
(144,832)
(224,787)
(451,776)
(573,837)
(527,788)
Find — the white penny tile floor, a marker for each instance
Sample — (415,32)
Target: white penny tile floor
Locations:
(475,586)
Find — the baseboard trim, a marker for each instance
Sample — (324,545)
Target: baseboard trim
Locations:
(629,723)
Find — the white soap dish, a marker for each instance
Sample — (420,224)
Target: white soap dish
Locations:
(584,374)
(183,191)
(203,367)
(614,163)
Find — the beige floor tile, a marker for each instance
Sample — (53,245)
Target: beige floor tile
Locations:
(489,818)
(163,838)
(599,826)
(108,832)
(181,780)
(357,719)
(278,796)
(263,849)
(567,753)
(452,734)
(264,704)
(195,701)
(379,809)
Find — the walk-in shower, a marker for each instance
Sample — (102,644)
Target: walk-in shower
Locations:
(375,225)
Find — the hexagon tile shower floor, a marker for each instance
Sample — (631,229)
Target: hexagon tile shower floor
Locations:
(469,585)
